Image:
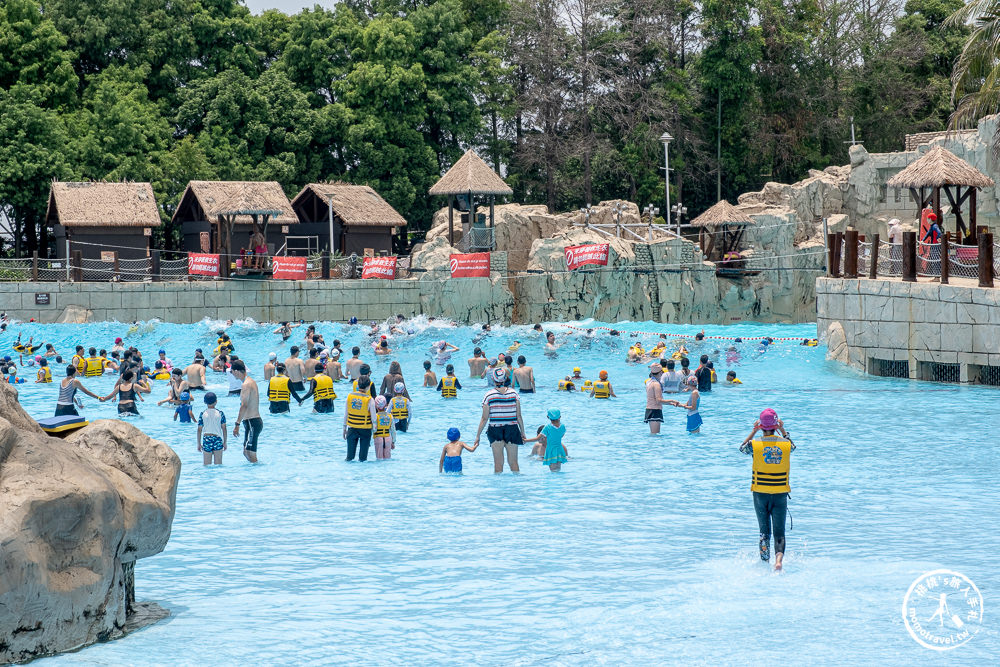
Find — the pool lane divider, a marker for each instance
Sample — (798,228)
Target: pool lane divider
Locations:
(660,333)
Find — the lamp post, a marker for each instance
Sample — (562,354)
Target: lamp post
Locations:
(665,139)
(651,212)
(617,209)
(586,215)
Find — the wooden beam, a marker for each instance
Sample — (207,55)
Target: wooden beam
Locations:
(945,262)
(972,214)
(873,259)
(851,253)
(910,257)
(986,260)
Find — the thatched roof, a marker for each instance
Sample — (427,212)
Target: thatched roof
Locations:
(471,174)
(355,205)
(722,213)
(243,198)
(937,167)
(94,204)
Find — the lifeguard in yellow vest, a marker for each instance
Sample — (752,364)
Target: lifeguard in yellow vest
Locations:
(322,392)
(769,483)
(359,419)
(399,406)
(279,392)
(449,384)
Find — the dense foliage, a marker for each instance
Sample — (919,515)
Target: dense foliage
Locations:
(567,98)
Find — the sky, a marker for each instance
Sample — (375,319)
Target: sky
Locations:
(287,6)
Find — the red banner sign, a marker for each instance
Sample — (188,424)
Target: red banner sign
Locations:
(471,265)
(595,253)
(288,268)
(379,267)
(201,264)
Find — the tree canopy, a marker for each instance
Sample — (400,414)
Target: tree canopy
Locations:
(565,98)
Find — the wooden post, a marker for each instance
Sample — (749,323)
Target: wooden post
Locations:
(116,272)
(34,267)
(325,265)
(986,260)
(873,260)
(851,253)
(936,205)
(945,262)
(910,257)
(831,255)
(154,267)
(972,214)
(78,266)
(451,219)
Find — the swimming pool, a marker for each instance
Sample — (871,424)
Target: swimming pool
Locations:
(643,550)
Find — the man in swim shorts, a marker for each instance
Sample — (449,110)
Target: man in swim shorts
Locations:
(249,412)
(502,409)
(196,375)
(296,370)
(525,376)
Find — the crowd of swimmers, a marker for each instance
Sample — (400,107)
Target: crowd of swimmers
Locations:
(374,418)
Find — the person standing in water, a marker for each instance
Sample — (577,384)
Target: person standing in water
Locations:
(654,399)
(66,403)
(359,421)
(451,455)
(296,370)
(249,412)
(353,365)
(770,481)
(694,420)
(477,363)
(502,409)
(524,375)
(196,375)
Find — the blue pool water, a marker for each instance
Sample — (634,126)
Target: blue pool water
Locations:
(643,550)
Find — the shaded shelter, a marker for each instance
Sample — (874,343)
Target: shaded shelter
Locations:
(354,216)
(720,230)
(102,216)
(940,170)
(468,178)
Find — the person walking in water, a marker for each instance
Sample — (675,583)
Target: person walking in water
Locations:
(67,401)
(654,399)
(502,409)
(770,481)
(359,420)
(249,412)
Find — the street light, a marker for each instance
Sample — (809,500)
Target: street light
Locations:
(680,210)
(665,139)
(617,209)
(651,212)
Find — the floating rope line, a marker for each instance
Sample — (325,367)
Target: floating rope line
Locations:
(676,335)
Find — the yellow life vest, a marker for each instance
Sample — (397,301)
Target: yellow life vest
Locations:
(277,389)
(19,347)
(771,464)
(357,411)
(566,385)
(93,366)
(44,375)
(587,384)
(448,387)
(715,378)
(602,389)
(161,375)
(399,406)
(324,388)
(812,342)
(735,381)
(383,421)
(79,363)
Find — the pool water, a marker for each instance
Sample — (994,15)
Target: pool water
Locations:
(642,550)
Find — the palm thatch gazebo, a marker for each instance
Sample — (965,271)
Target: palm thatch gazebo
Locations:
(468,177)
(939,169)
(721,228)
(355,216)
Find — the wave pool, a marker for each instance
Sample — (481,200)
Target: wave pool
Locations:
(642,550)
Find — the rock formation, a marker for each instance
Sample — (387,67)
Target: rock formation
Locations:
(75,515)
(464,299)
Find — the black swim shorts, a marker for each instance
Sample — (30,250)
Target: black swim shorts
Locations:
(509,433)
(251,431)
(653,416)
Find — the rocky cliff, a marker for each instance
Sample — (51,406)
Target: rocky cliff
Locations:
(75,515)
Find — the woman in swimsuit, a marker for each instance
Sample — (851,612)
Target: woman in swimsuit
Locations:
(126,391)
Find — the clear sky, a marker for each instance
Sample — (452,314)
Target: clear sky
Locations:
(287,6)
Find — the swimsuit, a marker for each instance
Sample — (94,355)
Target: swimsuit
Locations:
(211,443)
(453,464)
(254,425)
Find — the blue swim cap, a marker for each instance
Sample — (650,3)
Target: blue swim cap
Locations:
(162,352)
(354,320)
(454,434)
(554,414)
(210,398)
(185,396)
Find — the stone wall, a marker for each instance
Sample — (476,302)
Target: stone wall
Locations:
(923,324)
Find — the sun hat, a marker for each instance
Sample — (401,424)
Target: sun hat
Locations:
(768,419)
(380,401)
(499,376)
(656,368)
(603,375)
(553,414)
(399,388)
(454,434)
(210,398)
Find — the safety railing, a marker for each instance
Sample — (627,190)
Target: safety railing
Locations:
(851,256)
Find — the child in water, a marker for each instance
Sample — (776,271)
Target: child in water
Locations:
(184,411)
(430,379)
(694,420)
(731,378)
(451,455)
(552,434)
(211,431)
(385,429)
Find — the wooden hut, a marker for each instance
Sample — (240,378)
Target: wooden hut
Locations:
(720,231)
(468,178)
(356,217)
(940,170)
(230,211)
(95,217)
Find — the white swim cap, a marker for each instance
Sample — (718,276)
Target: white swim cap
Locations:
(499,376)
(272,356)
(380,401)
(399,388)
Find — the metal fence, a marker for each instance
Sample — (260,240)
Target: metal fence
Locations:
(963,261)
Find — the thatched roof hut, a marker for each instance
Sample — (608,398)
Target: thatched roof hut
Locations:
(721,214)
(940,170)
(356,216)
(207,200)
(98,204)
(354,205)
(938,167)
(470,174)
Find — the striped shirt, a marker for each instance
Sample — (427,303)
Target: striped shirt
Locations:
(502,406)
